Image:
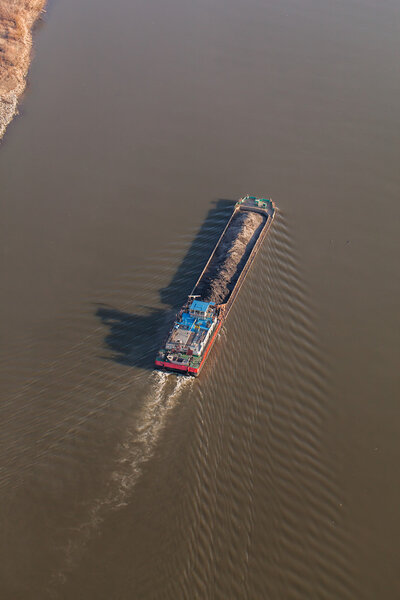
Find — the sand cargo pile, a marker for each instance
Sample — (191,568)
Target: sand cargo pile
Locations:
(230,255)
(200,319)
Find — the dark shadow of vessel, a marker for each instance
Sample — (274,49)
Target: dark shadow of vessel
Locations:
(134,339)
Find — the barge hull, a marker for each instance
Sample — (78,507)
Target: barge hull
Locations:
(265,208)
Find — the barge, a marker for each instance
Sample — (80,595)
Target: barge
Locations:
(197,324)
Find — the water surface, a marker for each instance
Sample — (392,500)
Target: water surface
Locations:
(273,475)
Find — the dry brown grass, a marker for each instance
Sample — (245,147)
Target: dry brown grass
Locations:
(16,20)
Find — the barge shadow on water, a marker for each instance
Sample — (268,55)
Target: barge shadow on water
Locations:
(133,339)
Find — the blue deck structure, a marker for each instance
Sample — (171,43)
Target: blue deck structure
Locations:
(193,322)
(187,320)
(200,307)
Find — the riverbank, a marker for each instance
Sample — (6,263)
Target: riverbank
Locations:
(17,18)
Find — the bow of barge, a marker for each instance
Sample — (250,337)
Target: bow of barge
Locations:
(198,322)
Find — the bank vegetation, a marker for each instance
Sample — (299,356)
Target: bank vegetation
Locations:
(17,18)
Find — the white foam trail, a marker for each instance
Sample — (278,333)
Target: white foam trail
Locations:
(134,451)
(141,441)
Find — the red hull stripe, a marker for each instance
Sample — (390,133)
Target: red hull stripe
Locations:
(173,366)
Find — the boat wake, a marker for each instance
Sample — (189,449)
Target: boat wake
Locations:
(266,496)
(141,439)
(133,452)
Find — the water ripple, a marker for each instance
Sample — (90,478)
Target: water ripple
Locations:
(264,509)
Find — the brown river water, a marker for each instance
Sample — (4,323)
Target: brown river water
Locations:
(274,475)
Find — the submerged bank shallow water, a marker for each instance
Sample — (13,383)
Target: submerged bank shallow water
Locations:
(17,18)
